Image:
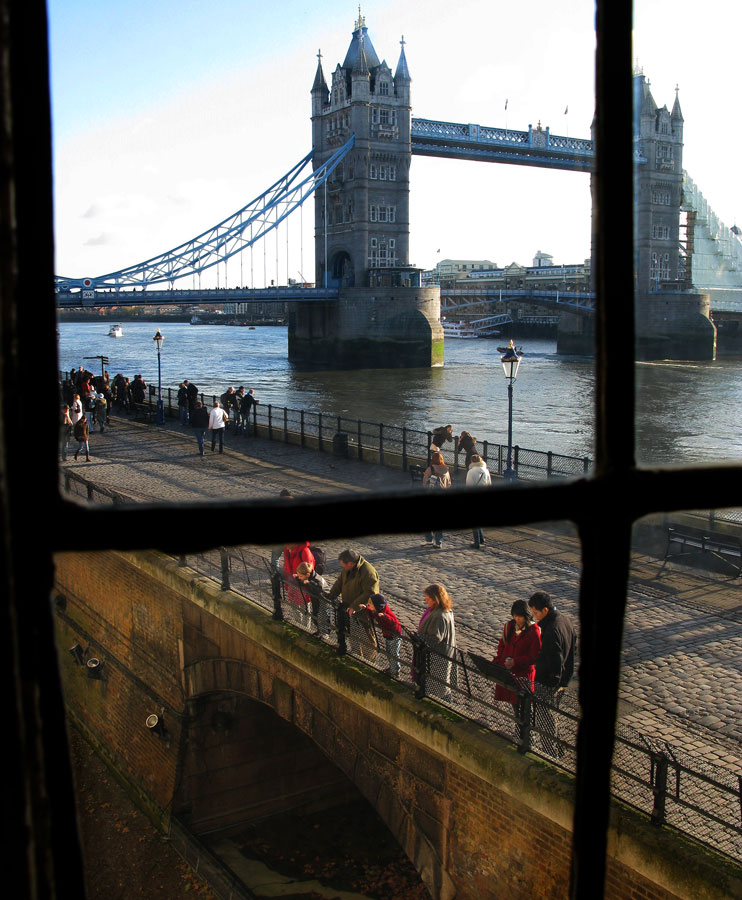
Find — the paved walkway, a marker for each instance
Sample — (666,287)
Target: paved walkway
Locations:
(682,671)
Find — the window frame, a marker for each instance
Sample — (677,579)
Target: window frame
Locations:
(40,800)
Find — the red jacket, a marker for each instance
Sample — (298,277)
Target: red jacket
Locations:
(523,648)
(388,622)
(294,556)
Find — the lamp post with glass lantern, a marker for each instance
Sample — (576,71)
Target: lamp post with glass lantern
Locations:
(510,362)
(158,339)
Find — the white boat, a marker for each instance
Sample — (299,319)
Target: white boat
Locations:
(115,331)
(458,330)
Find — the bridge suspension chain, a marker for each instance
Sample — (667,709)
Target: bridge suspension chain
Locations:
(231,236)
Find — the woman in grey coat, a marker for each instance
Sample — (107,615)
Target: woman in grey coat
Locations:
(438,630)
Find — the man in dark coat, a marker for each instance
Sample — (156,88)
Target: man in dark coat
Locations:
(555,665)
(200,421)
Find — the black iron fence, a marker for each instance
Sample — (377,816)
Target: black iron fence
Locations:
(390,445)
(667,784)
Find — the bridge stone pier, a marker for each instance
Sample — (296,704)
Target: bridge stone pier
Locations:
(256,717)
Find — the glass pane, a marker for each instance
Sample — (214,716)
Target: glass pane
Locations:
(680,708)
(140,167)
(688,249)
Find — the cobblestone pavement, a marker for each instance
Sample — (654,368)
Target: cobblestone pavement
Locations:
(682,669)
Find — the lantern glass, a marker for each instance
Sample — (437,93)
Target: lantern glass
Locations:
(158,339)
(510,365)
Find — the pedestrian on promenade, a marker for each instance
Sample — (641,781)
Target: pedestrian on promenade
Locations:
(65,431)
(468,444)
(518,649)
(382,615)
(228,402)
(138,389)
(315,587)
(441,435)
(76,409)
(478,475)
(554,666)
(199,419)
(238,401)
(101,412)
(357,582)
(217,423)
(436,477)
(90,400)
(81,431)
(293,557)
(437,630)
(192,394)
(183,403)
(247,408)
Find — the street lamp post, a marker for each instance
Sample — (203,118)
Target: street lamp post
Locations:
(158,339)
(510,363)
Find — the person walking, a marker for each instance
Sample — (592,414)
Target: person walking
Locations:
(382,615)
(65,432)
(554,667)
(437,630)
(247,409)
(436,477)
(218,419)
(199,419)
(183,403)
(101,412)
(357,582)
(76,409)
(478,475)
(81,431)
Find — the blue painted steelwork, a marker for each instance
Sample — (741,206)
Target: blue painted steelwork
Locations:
(92,299)
(229,237)
(535,147)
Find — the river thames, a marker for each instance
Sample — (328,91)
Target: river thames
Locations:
(687,412)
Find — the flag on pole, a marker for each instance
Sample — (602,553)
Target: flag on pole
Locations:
(506,104)
(566,110)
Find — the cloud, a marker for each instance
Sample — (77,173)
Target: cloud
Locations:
(100,240)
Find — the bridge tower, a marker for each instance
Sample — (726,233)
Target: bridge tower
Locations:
(672,321)
(384,316)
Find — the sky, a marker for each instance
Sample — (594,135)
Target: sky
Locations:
(167,117)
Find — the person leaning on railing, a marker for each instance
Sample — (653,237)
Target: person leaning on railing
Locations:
(438,630)
(316,587)
(355,585)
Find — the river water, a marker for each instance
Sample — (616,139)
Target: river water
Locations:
(686,411)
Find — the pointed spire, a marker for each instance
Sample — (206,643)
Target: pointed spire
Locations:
(320,84)
(677,113)
(402,71)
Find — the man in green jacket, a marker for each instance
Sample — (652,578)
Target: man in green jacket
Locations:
(355,584)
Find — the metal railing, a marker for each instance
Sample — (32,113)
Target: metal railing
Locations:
(659,780)
(391,445)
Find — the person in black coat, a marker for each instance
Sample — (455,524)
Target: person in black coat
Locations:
(555,666)
(200,422)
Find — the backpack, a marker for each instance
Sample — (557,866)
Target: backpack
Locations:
(435,483)
(320,559)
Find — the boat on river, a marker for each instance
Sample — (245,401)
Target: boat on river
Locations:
(458,330)
(115,331)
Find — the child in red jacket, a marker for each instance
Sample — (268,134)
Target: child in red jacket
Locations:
(382,615)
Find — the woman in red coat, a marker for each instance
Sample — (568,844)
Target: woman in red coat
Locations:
(519,646)
(293,557)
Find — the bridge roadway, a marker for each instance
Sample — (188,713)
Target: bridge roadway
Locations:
(682,675)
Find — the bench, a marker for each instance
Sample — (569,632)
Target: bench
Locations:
(719,544)
(145,411)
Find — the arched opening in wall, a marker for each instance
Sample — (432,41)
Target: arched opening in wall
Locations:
(342,273)
(268,803)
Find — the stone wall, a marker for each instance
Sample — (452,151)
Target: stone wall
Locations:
(369,328)
(477,819)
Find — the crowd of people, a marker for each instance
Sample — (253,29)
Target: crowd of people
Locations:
(536,649)
(88,401)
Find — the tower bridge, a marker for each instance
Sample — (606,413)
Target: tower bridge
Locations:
(369,307)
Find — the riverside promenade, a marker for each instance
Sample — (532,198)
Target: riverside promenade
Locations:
(682,672)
